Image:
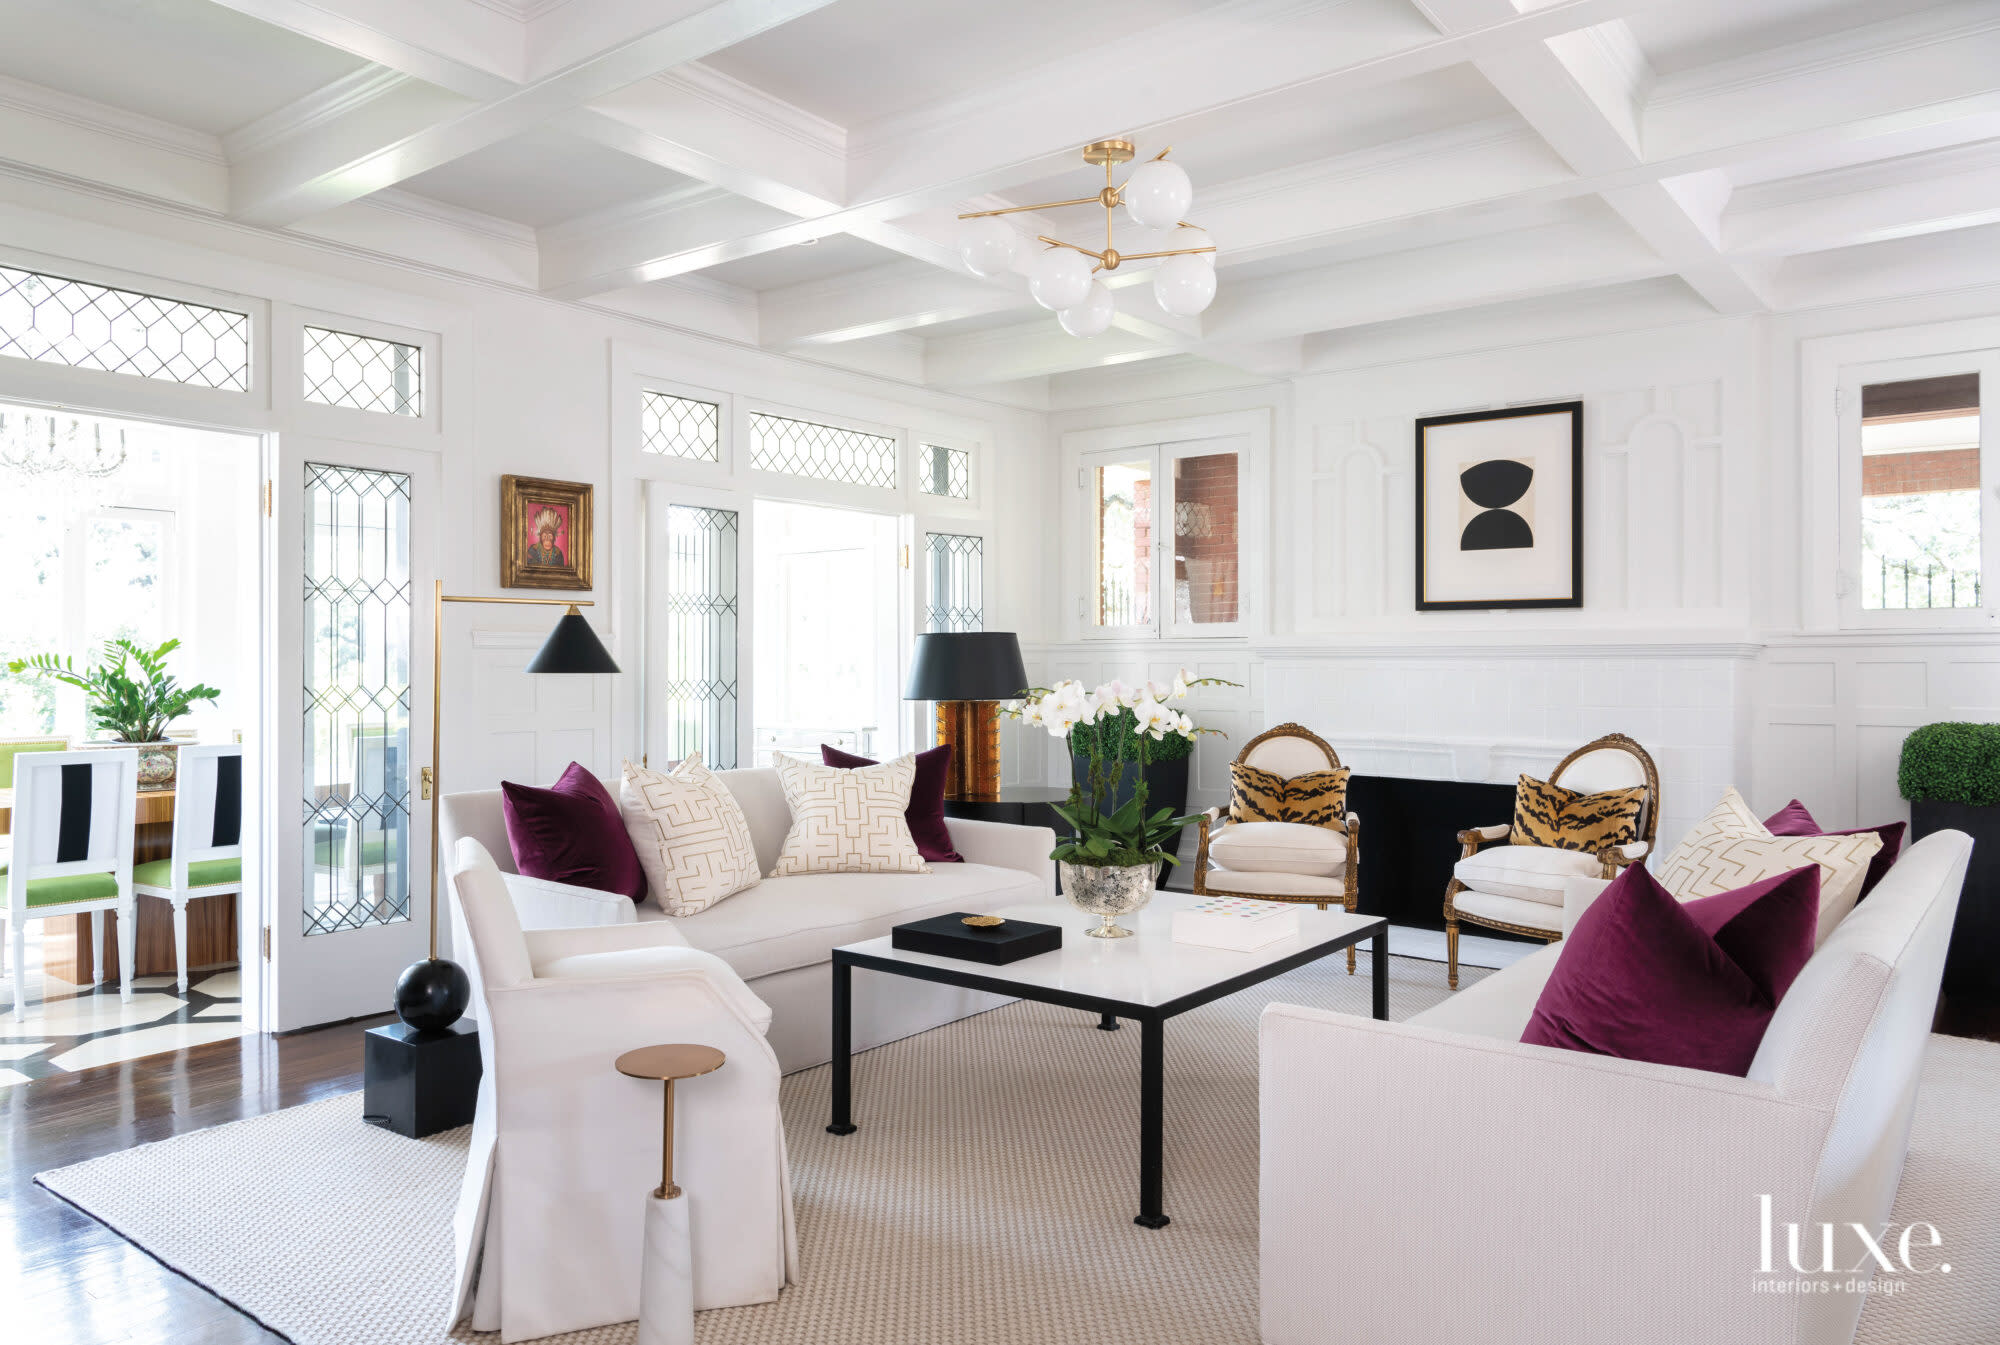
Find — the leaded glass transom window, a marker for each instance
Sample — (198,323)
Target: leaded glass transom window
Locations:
(86,326)
(356,757)
(946,471)
(955,566)
(363,373)
(680,427)
(825,452)
(699,694)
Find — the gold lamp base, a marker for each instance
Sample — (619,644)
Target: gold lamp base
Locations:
(973,730)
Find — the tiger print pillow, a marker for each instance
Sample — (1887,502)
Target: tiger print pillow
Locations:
(1562,819)
(1317,798)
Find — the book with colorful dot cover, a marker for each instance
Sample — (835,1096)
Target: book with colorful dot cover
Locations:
(1239,924)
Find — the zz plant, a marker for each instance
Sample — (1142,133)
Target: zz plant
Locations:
(131,695)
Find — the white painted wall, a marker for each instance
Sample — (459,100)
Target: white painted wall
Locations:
(1694,636)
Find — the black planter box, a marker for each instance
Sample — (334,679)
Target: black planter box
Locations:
(995,945)
(1972,967)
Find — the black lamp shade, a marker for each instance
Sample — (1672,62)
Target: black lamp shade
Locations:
(966,666)
(573,647)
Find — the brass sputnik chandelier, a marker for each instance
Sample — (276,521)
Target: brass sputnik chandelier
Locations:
(1155,196)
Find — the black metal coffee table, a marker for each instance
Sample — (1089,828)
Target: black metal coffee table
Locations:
(1148,978)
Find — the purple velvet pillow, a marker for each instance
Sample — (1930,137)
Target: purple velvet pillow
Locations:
(926,811)
(1646,977)
(1794,820)
(572,833)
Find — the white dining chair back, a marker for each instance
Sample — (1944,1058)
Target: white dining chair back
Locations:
(208,832)
(72,822)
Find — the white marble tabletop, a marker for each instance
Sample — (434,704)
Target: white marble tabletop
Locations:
(1148,969)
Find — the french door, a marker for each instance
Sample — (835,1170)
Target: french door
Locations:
(352,538)
(696,681)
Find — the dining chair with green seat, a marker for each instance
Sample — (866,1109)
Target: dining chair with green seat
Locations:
(207,860)
(72,850)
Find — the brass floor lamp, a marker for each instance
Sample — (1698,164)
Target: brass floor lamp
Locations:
(432,994)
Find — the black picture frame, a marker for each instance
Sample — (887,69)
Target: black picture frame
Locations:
(1575,412)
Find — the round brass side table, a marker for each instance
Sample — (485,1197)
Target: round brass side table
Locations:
(666,1278)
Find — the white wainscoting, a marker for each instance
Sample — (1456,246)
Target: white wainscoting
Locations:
(1832,713)
(511,726)
(1477,715)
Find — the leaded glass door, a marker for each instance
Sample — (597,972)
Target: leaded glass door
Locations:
(352,534)
(696,682)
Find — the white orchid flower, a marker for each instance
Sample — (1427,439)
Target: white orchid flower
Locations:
(1068,694)
(1031,712)
(1154,718)
(1181,681)
(1159,691)
(1184,725)
(1133,697)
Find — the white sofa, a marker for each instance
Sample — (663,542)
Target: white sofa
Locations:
(779,936)
(1436,1180)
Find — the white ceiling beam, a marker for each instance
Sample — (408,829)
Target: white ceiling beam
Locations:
(611,250)
(287,182)
(1584,93)
(1032,350)
(1213,65)
(1516,265)
(898,297)
(1955,188)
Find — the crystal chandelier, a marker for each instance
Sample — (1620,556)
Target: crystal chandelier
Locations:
(1155,196)
(38,446)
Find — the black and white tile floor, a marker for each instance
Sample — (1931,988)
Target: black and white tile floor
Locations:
(70,1028)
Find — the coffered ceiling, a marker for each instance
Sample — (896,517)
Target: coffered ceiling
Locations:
(787,172)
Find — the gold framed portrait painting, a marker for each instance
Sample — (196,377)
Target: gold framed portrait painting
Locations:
(544,533)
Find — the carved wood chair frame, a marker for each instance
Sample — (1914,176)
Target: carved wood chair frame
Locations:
(1209,822)
(1612,858)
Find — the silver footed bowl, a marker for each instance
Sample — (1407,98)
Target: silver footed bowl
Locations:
(1108,891)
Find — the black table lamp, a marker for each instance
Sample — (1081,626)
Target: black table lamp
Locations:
(432,994)
(965,673)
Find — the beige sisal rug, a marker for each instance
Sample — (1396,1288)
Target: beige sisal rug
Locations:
(986,1200)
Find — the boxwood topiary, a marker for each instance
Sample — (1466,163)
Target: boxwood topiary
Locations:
(1952,763)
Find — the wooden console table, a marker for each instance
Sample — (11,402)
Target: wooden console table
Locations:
(66,941)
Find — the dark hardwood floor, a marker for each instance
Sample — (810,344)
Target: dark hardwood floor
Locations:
(64,1277)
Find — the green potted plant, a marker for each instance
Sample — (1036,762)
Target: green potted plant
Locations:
(131,699)
(1120,841)
(1950,773)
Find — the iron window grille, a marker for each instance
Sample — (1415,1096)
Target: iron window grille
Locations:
(947,472)
(363,373)
(355,803)
(72,322)
(956,567)
(680,427)
(824,452)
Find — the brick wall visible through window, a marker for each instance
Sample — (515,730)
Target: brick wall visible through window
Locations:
(1205,539)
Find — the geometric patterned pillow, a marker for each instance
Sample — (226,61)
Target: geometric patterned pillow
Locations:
(1555,818)
(1317,798)
(691,835)
(848,821)
(1730,849)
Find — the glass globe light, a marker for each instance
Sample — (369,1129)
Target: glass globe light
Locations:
(1058,278)
(1091,316)
(1157,195)
(987,246)
(1184,286)
(1192,238)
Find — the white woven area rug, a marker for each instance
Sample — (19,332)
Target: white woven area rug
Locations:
(986,1200)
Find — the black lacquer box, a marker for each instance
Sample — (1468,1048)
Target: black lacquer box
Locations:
(996,945)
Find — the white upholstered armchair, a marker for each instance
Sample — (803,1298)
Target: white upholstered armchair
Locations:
(564,1148)
(1519,888)
(1282,861)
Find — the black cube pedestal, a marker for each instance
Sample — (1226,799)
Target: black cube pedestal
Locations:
(418,1083)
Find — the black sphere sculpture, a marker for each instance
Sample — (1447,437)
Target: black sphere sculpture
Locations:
(431,995)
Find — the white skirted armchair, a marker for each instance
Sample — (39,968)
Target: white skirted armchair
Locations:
(550,1222)
(1283,861)
(1519,888)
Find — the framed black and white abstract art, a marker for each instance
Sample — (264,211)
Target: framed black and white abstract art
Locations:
(1500,509)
